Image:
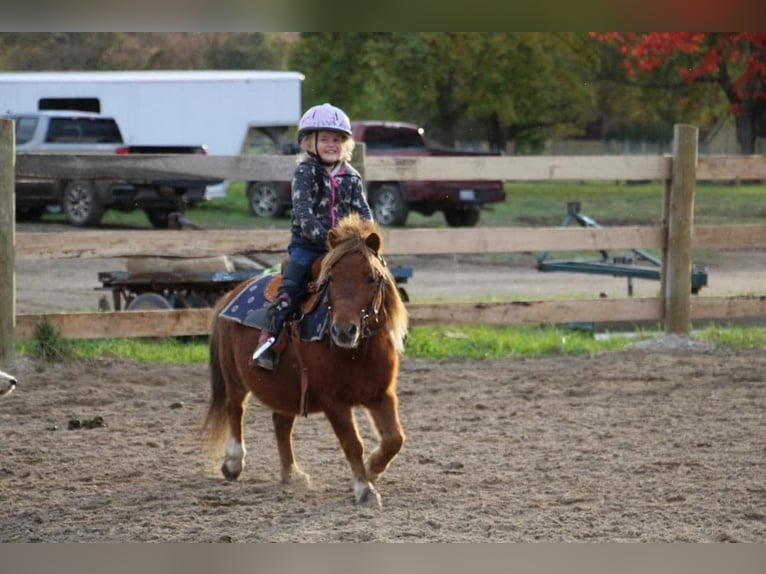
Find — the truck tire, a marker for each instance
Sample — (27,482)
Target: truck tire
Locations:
(264,199)
(149,302)
(81,204)
(462,217)
(388,205)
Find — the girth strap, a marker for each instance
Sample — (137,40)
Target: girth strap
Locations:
(304,404)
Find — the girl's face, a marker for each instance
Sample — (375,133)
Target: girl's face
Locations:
(329,146)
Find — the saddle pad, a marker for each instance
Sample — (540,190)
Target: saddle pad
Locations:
(247,308)
(250,298)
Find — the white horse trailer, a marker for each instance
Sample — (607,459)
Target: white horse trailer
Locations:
(219,109)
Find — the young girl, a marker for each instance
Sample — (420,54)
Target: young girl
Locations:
(324,189)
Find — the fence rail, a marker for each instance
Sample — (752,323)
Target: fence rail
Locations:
(674,301)
(377,168)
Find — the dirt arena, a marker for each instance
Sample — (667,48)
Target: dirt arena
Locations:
(664,442)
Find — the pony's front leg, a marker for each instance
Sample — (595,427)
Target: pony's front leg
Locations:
(234,458)
(385,415)
(344,425)
(283,428)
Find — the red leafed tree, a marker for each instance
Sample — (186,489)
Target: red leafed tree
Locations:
(736,61)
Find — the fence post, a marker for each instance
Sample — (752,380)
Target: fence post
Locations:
(7,241)
(680,216)
(358,159)
(666,189)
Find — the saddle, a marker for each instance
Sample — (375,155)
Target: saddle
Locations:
(249,306)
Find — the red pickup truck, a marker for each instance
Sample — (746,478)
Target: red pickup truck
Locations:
(391,201)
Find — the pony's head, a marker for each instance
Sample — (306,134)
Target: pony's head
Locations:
(363,295)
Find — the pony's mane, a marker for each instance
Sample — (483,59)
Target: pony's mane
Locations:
(351,234)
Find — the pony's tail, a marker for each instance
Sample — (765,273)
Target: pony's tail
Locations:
(215,426)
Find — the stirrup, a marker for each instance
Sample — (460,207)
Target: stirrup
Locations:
(264,356)
(268,360)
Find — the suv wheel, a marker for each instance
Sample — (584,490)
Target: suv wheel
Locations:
(81,205)
(388,205)
(264,199)
(462,217)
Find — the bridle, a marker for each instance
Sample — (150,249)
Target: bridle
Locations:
(370,316)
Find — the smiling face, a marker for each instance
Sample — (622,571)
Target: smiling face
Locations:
(329,145)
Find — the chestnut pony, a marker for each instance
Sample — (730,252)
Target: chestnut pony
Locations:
(356,365)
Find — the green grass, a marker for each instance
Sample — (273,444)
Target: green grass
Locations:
(427,343)
(167,350)
(528,204)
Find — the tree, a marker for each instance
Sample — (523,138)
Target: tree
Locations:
(143,50)
(496,86)
(734,61)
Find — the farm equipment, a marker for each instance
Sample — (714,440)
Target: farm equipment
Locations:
(185,289)
(627,265)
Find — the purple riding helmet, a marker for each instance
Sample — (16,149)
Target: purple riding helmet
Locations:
(324,117)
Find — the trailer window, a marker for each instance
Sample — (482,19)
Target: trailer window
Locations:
(78,104)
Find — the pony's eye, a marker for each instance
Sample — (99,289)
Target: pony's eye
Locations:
(371,279)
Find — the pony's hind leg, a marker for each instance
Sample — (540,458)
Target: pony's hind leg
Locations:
(385,415)
(234,458)
(283,429)
(344,425)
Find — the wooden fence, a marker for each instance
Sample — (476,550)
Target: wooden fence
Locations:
(675,235)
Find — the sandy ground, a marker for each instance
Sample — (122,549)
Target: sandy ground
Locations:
(661,443)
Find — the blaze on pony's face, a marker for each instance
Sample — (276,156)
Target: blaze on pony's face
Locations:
(7,383)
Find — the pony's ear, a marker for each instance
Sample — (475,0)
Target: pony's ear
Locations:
(332,238)
(374,241)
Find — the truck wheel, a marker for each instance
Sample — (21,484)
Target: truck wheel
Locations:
(149,302)
(388,205)
(466,217)
(81,205)
(264,198)
(159,218)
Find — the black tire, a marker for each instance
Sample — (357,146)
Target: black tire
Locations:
(81,204)
(159,218)
(149,302)
(388,205)
(264,199)
(462,217)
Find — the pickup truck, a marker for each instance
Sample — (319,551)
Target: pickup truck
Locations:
(85,201)
(391,201)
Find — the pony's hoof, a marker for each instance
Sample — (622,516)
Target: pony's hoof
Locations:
(296,477)
(231,473)
(366,495)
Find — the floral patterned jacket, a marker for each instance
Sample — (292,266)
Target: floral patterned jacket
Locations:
(320,200)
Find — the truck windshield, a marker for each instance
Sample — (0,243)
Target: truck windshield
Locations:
(84,130)
(385,138)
